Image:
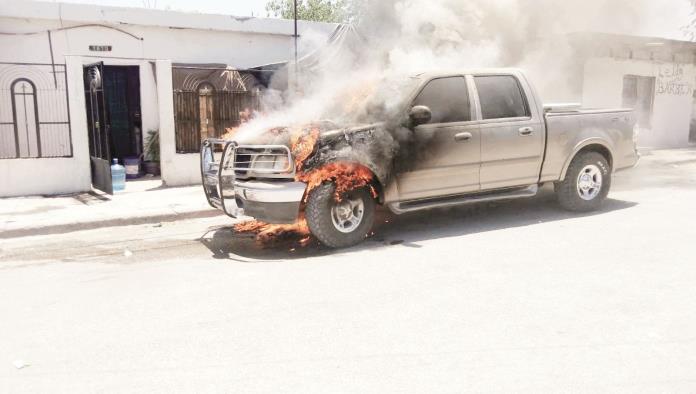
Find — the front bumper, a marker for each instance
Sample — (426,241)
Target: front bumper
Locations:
(270,202)
(276,199)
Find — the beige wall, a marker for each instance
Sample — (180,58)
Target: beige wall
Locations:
(672,105)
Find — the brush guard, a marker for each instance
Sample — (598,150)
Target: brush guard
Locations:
(233,186)
(218,176)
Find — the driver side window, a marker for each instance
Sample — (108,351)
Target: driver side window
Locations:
(447,98)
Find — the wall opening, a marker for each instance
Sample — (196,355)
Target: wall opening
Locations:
(114,126)
(639,94)
(122,91)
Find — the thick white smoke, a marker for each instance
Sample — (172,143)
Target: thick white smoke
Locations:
(408,36)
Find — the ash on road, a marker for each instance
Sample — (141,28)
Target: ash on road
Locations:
(508,297)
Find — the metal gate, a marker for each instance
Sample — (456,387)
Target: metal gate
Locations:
(208,101)
(98,127)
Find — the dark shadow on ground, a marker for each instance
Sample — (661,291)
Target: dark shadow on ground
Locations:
(92,197)
(407,230)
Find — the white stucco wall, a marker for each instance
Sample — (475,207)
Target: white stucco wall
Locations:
(177,36)
(166,37)
(673,103)
(69,175)
(22,177)
(149,105)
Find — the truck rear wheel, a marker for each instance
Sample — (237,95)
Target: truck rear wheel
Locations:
(338,224)
(586,184)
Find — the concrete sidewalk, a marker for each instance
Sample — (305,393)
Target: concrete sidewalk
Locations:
(143,201)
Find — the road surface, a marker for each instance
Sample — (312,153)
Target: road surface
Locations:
(507,297)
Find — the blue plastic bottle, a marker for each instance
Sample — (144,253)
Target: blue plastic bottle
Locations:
(118,176)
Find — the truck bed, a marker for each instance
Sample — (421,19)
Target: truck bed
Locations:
(568,130)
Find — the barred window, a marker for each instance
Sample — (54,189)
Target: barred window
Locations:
(208,101)
(34,118)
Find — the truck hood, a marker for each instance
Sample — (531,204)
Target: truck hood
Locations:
(283,135)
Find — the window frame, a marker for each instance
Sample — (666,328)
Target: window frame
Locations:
(473,115)
(479,107)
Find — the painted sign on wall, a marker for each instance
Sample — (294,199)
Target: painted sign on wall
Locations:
(671,81)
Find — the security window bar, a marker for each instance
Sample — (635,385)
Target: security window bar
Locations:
(208,101)
(34,114)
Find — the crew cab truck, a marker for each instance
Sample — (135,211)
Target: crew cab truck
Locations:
(485,136)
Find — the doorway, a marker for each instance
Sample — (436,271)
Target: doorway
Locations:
(122,96)
(112,98)
(639,94)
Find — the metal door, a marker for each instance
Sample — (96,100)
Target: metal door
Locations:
(512,132)
(449,164)
(448,148)
(98,127)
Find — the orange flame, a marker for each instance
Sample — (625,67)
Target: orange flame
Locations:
(267,233)
(345,175)
(302,145)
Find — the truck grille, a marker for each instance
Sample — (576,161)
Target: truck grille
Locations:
(267,161)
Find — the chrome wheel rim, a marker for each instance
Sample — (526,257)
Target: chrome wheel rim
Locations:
(347,214)
(589,182)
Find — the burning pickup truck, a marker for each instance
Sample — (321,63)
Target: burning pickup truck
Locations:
(447,139)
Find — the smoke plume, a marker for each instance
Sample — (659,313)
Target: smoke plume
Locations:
(361,81)
(399,37)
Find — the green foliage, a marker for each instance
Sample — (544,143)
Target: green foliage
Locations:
(152,146)
(339,11)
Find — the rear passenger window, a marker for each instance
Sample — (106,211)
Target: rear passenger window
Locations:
(501,97)
(447,99)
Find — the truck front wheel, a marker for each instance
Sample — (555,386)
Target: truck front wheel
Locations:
(339,224)
(586,184)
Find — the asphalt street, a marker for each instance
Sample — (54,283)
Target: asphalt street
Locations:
(516,296)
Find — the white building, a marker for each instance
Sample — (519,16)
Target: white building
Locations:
(50,54)
(655,76)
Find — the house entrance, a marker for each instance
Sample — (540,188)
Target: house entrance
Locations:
(112,98)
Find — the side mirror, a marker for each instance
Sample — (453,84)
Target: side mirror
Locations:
(419,114)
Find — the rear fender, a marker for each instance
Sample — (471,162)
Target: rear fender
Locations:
(584,144)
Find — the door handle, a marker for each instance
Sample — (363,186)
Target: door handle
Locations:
(465,136)
(525,130)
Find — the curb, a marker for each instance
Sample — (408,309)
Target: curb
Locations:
(71,227)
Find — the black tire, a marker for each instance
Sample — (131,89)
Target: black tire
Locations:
(568,190)
(318,213)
